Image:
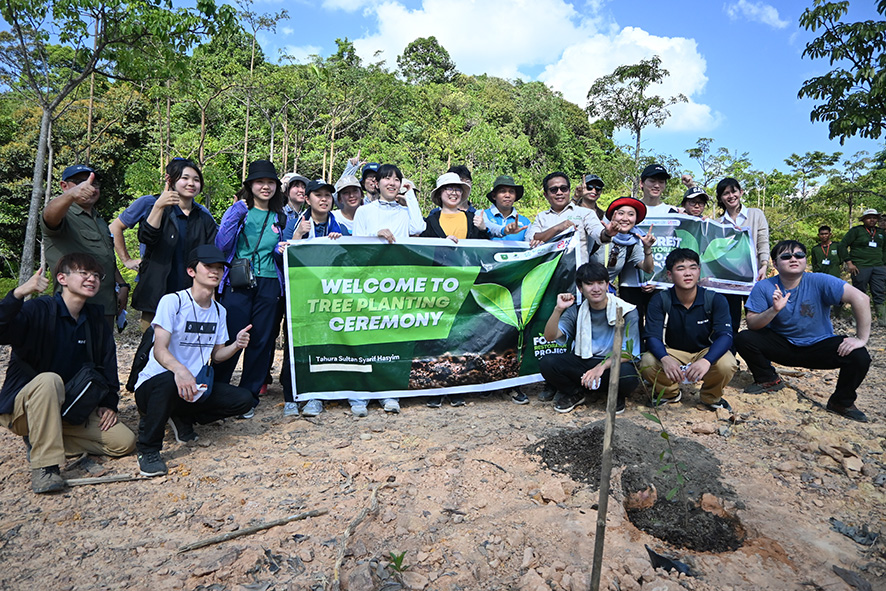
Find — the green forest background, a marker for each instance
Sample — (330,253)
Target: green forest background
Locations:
(217,98)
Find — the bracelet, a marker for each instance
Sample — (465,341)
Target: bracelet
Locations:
(122,285)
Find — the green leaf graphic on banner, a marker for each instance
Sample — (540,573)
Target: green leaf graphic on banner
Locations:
(533,288)
(716,249)
(496,300)
(687,240)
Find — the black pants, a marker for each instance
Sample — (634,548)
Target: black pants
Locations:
(736,303)
(760,347)
(563,371)
(157,399)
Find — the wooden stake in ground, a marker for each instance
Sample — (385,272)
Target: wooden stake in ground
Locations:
(251,530)
(606,460)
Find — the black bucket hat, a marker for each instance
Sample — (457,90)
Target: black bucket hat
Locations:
(262,169)
(504,181)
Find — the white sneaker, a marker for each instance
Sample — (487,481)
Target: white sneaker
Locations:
(290,409)
(391,405)
(312,408)
(359,410)
(248,415)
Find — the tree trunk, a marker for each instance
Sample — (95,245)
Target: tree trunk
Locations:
(635,186)
(27,263)
(47,195)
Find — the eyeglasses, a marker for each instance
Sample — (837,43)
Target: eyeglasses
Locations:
(455,189)
(88,274)
(786,256)
(558,189)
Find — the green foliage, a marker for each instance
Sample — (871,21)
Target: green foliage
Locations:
(396,562)
(622,98)
(425,61)
(852,96)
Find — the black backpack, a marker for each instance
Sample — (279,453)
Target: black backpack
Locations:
(665,296)
(143,352)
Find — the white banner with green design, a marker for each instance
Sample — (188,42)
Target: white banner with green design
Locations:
(728,255)
(368,319)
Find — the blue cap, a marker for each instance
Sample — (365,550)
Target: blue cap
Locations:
(76,169)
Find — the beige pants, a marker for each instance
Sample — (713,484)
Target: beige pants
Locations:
(37,415)
(713,382)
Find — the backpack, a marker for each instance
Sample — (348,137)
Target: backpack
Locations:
(665,296)
(143,351)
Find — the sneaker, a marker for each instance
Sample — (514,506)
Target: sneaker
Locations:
(434,402)
(248,414)
(457,400)
(518,397)
(663,401)
(765,387)
(722,403)
(547,394)
(290,409)
(619,407)
(358,408)
(312,408)
(182,430)
(151,464)
(391,405)
(850,412)
(263,390)
(566,402)
(46,480)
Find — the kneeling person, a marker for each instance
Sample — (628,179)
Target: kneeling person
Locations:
(52,338)
(688,325)
(789,320)
(190,331)
(591,328)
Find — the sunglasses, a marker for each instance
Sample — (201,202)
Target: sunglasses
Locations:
(786,256)
(596,188)
(558,189)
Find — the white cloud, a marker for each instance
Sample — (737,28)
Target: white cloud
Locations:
(505,37)
(300,54)
(756,12)
(286,30)
(347,5)
(585,61)
(495,37)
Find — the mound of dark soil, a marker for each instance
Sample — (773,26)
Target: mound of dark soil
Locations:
(578,454)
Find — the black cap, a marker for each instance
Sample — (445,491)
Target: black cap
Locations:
(592,179)
(76,169)
(696,193)
(207,254)
(317,185)
(262,169)
(654,170)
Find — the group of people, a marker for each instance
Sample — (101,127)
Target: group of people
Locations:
(210,293)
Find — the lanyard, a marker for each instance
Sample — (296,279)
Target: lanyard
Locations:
(873,233)
(827,253)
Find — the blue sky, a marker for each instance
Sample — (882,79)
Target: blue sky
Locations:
(739,61)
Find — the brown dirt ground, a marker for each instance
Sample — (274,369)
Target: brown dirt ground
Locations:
(466,500)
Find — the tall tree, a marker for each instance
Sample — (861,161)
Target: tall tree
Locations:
(810,168)
(426,61)
(624,98)
(853,94)
(131,39)
(256,22)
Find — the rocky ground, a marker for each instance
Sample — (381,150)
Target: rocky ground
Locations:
(488,496)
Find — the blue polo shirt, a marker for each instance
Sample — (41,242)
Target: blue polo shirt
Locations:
(688,329)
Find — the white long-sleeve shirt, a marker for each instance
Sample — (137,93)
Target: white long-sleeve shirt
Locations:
(403,222)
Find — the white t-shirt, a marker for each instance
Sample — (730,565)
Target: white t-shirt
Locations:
(195,332)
